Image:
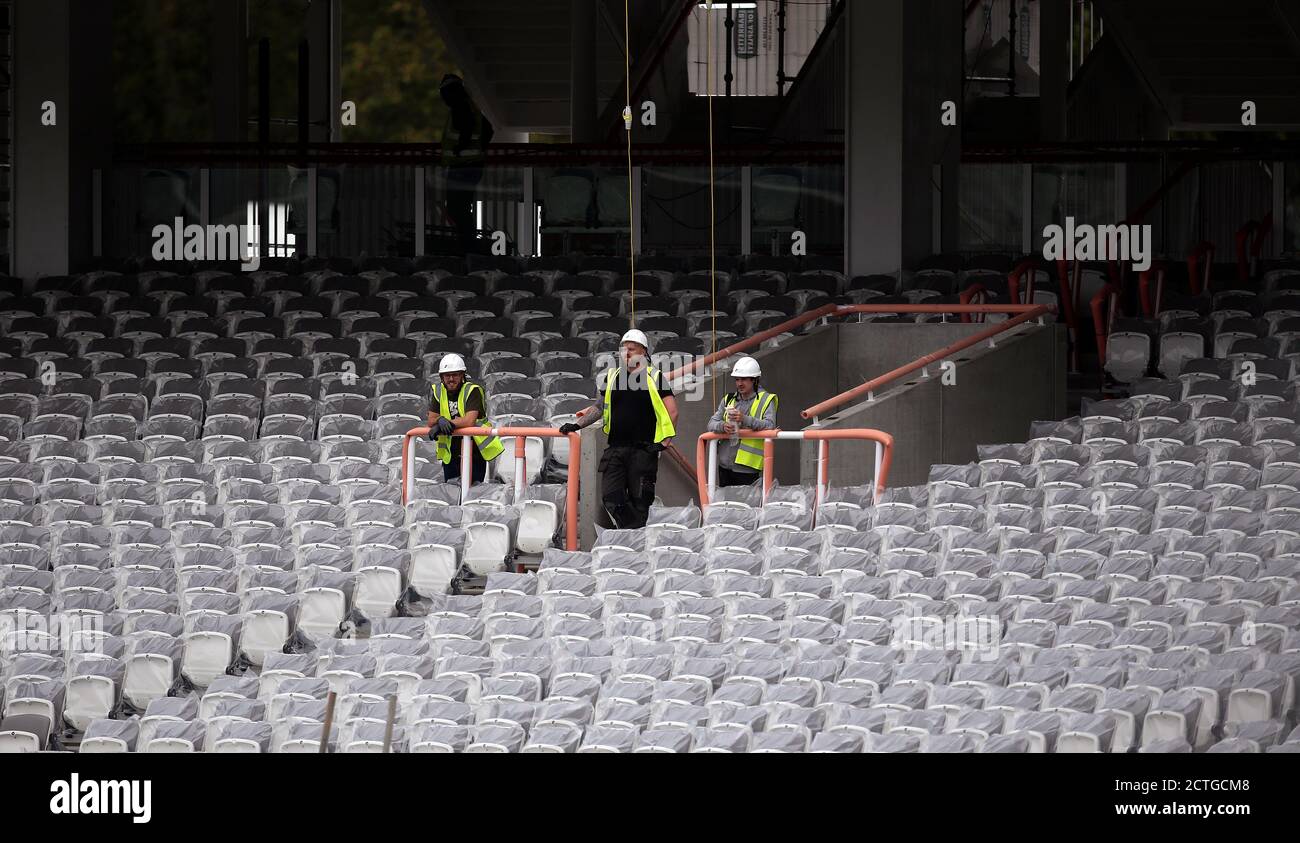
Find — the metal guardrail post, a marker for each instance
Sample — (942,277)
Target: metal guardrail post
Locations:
(521,435)
(706,457)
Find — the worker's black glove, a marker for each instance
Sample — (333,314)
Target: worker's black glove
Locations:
(570,427)
(444,426)
(655,448)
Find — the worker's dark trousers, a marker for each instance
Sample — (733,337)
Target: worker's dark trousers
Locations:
(627,483)
(477,466)
(728,477)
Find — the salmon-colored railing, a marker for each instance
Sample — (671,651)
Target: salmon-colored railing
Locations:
(1070,280)
(1199,262)
(679,459)
(1261,234)
(1022,313)
(1105,307)
(520,435)
(1028,270)
(1241,241)
(835,311)
(756,340)
(1150,299)
(1249,241)
(706,456)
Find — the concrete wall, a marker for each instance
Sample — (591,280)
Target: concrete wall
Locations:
(998,392)
(865,350)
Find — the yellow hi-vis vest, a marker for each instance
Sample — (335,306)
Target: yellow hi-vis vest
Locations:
(663,424)
(750,451)
(489,447)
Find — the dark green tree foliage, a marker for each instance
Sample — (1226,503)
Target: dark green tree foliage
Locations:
(393,60)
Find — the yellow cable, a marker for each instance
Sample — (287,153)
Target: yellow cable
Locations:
(627,125)
(713,269)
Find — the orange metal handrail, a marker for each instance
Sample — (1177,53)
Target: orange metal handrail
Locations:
(756,340)
(1023,313)
(970,294)
(706,456)
(1029,265)
(1070,280)
(679,459)
(1151,304)
(1261,234)
(1198,273)
(1241,241)
(1104,306)
(1139,213)
(1249,241)
(520,434)
(839,310)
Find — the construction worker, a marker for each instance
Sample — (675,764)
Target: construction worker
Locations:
(638,412)
(456,402)
(465,140)
(740,461)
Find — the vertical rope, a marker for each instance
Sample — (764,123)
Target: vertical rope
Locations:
(627,125)
(713,268)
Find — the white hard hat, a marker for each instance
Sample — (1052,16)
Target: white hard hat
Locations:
(746,367)
(451,363)
(637,337)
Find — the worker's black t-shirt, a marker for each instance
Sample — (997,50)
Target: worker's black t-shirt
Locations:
(474,402)
(632,415)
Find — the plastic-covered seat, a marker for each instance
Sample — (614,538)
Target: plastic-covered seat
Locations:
(109,736)
(91,692)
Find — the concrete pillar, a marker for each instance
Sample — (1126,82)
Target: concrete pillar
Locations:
(90,121)
(591,506)
(325,36)
(902,62)
(873,137)
(229,57)
(1054,70)
(42,80)
(582,71)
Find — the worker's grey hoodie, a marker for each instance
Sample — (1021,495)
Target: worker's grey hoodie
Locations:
(728,448)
